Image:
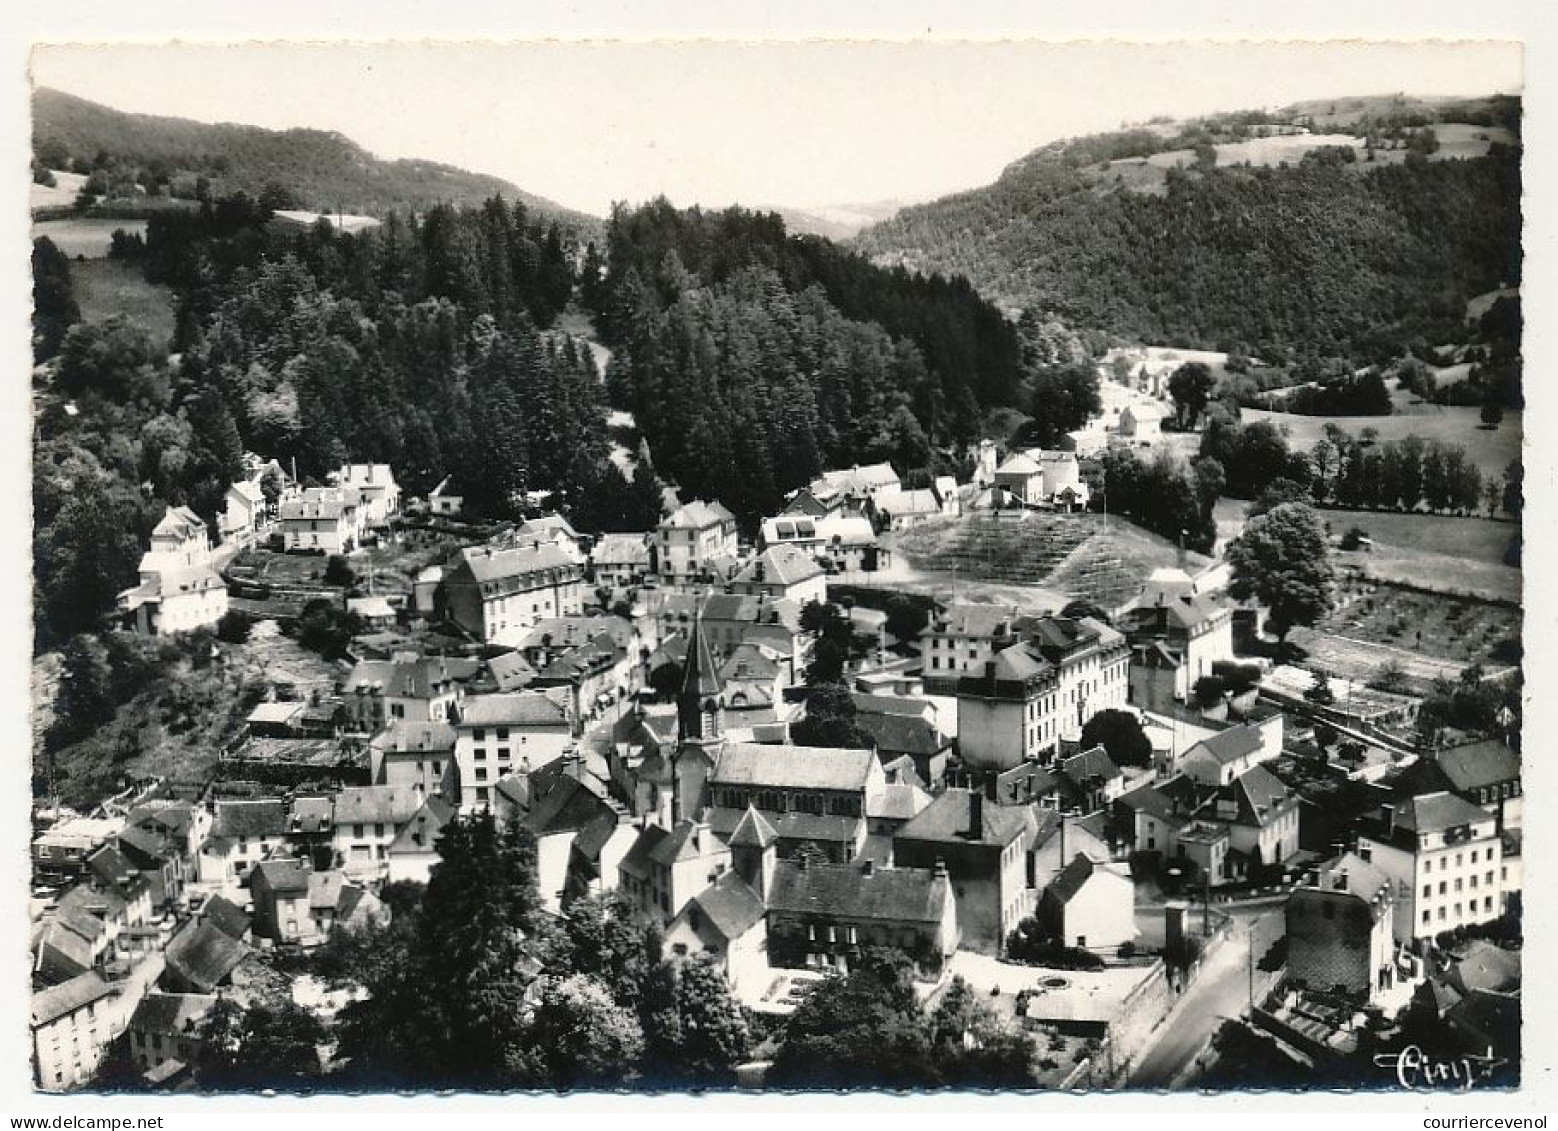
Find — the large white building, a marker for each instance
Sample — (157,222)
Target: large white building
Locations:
(695,541)
(179,590)
(499,593)
(1446,857)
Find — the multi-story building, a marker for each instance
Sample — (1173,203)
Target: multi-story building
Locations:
(377,492)
(825,914)
(499,593)
(621,561)
(323,519)
(72,1023)
(179,591)
(1176,634)
(1033,693)
(407,688)
(419,755)
(1007,713)
(1446,857)
(507,733)
(696,542)
(987,850)
(962,637)
(367,819)
(665,868)
(783,573)
(1341,930)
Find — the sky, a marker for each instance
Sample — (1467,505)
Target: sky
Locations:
(797,124)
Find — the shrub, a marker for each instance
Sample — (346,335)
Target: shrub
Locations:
(233,628)
(339,572)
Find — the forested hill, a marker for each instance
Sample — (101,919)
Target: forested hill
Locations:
(1347,228)
(752,358)
(319,170)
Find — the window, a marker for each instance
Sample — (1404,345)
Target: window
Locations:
(503,753)
(479,734)
(378,830)
(1428,890)
(481,755)
(481,773)
(357,831)
(481,793)
(503,734)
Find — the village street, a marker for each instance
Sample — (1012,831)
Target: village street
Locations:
(1220,992)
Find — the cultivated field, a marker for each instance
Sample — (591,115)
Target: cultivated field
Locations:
(86,238)
(1037,561)
(1426,635)
(105,287)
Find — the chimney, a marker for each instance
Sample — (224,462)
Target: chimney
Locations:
(1390,819)
(868,868)
(940,870)
(1365,852)
(976,813)
(1179,557)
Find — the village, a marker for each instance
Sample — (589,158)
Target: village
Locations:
(1098,796)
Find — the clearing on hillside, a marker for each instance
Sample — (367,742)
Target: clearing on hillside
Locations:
(105,287)
(1490,449)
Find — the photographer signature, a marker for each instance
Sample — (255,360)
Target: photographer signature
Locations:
(1417,1071)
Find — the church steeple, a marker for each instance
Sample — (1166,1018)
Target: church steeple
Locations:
(700,708)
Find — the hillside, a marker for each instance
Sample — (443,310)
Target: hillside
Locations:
(320,170)
(1349,227)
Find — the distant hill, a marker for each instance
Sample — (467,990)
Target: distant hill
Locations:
(322,171)
(836,221)
(1348,226)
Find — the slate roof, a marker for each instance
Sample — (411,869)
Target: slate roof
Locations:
(899,801)
(1436,812)
(1484,967)
(282,875)
(730,905)
(225,916)
(422,678)
(312,814)
(514,708)
(1094,764)
(753,831)
(974,619)
(566,806)
(1479,765)
(1072,878)
(949,819)
(1228,746)
(780,565)
(846,891)
(376,804)
(698,515)
(621,550)
(421,832)
(510,671)
(264,817)
(902,734)
(796,767)
(67,997)
(1018,464)
(1351,873)
(1261,796)
(171,1015)
(403,736)
(203,955)
(501,563)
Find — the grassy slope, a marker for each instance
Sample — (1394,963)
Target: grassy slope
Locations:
(1490,449)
